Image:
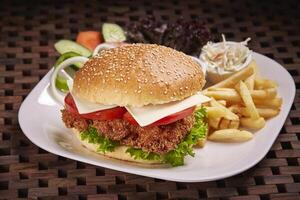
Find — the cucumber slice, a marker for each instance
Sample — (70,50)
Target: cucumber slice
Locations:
(113,33)
(64,46)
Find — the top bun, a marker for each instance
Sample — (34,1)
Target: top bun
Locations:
(138,75)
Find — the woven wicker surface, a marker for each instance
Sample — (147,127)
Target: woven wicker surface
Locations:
(28,31)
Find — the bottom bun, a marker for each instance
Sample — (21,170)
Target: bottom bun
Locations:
(118,153)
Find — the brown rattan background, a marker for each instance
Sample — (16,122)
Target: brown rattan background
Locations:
(28,30)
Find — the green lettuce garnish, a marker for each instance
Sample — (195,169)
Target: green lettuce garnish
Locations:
(198,131)
(144,155)
(176,156)
(104,144)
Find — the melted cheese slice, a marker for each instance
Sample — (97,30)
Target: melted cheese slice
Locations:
(84,107)
(148,114)
(143,115)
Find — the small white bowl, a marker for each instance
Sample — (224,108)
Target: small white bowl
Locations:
(213,76)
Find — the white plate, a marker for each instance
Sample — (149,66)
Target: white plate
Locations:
(40,120)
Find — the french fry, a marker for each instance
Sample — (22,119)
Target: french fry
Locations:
(215,112)
(250,82)
(254,124)
(217,118)
(223,102)
(232,96)
(224,123)
(248,101)
(264,94)
(263,112)
(228,95)
(269,103)
(234,124)
(220,89)
(201,143)
(267,112)
(205,104)
(236,109)
(214,122)
(264,84)
(230,135)
(214,115)
(228,114)
(255,69)
(235,78)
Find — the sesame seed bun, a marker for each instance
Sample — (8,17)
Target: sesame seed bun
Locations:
(119,152)
(138,75)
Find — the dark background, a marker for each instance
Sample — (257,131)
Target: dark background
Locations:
(28,30)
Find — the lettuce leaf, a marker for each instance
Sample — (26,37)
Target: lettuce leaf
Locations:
(104,144)
(176,156)
(144,155)
(199,130)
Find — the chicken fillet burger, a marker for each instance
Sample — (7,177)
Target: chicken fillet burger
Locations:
(139,103)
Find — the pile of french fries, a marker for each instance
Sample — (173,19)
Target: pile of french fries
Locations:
(240,104)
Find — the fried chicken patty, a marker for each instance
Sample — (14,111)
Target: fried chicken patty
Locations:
(157,139)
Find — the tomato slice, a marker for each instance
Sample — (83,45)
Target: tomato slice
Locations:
(70,104)
(89,39)
(108,114)
(166,120)
(121,112)
(128,117)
